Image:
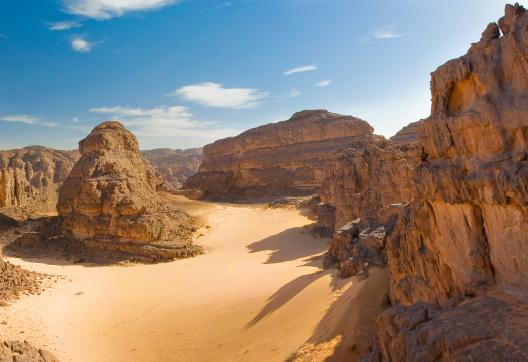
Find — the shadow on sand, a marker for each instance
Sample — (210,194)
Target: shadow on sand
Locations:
(346,329)
(288,245)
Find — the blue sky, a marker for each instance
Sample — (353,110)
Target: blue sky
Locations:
(184,73)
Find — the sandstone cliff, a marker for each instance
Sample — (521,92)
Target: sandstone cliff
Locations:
(363,193)
(110,201)
(30,178)
(284,158)
(175,166)
(463,238)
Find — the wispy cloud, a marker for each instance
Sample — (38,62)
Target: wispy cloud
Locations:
(75,119)
(290,94)
(25,119)
(63,25)
(222,5)
(387,32)
(107,9)
(323,83)
(81,45)
(301,69)
(151,124)
(3,36)
(215,95)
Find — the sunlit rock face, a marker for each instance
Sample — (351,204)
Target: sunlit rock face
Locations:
(458,257)
(284,158)
(30,178)
(110,197)
(467,229)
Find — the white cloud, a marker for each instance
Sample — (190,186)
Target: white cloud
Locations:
(215,95)
(167,126)
(25,119)
(81,45)
(323,83)
(64,25)
(387,32)
(75,119)
(290,94)
(107,9)
(301,69)
(225,4)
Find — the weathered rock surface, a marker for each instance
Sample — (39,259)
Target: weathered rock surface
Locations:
(485,328)
(464,235)
(175,166)
(284,158)
(15,281)
(110,201)
(30,178)
(368,186)
(22,351)
(467,229)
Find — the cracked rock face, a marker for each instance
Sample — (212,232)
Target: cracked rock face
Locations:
(467,229)
(30,178)
(464,237)
(485,328)
(284,158)
(110,200)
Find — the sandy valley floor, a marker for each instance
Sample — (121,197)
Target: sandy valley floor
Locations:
(257,295)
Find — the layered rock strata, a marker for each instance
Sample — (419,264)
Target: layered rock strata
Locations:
(175,166)
(284,158)
(30,178)
(110,201)
(464,235)
(363,193)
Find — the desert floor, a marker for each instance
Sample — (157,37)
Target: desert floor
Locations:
(258,294)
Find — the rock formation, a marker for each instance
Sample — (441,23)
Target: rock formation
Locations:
(284,158)
(109,201)
(22,351)
(363,193)
(30,178)
(175,166)
(463,237)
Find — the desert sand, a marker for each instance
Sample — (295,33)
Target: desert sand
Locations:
(258,294)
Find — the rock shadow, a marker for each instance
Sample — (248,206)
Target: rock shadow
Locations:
(291,244)
(348,326)
(286,293)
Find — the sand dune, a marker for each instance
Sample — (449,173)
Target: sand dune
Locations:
(257,295)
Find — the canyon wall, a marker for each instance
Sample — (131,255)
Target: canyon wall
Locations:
(362,196)
(175,166)
(284,158)
(30,178)
(458,258)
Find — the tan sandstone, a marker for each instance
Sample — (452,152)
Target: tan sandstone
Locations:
(284,158)
(110,200)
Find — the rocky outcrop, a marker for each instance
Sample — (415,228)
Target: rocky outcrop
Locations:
(408,134)
(466,230)
(284,158)
(15,281)
(175,166)
(464,235)
(485,328)
(366,187)
(109,201)
(30,178)
(23,351)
